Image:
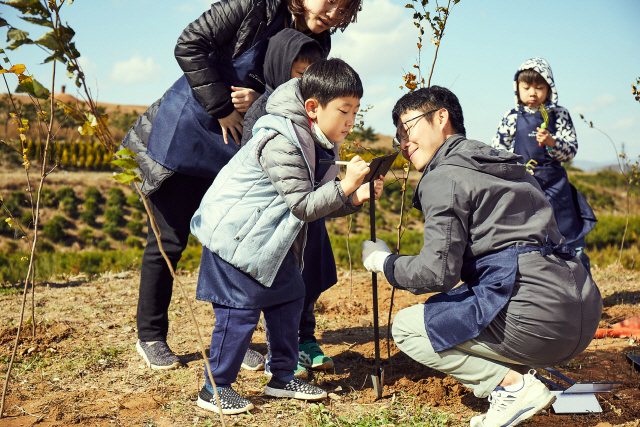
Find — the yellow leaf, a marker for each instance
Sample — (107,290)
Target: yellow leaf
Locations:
(22,130)
(86,129)
(23,78)
(24,258)
(12,114)
(25,122)
(23,138)
(17,69)
(9,221)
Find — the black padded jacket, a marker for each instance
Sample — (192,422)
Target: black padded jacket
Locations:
(224,32)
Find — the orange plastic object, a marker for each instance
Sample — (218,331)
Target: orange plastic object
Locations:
(618,333)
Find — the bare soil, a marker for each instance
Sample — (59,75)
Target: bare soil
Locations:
(82,367)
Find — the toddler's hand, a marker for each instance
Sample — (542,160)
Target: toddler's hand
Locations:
(363,193)
(544,138)
(357,169)
(242,98)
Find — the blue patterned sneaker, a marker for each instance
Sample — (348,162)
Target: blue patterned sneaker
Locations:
(296,389)
(300,372)
(253,361)
(311,356)
(157,355)
(510,408)
(230,400)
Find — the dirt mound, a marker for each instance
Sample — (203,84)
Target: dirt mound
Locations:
(47,336)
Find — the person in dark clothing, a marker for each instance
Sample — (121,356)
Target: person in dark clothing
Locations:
(525,302)
(288,55)
(181,141)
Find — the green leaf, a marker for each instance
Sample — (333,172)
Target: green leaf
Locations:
(127,177)
(50,41)
(126,152)
(125,163)
(33,88)
(16,34)
(38,21)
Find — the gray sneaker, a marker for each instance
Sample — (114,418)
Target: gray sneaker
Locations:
(253,361)
(157,355)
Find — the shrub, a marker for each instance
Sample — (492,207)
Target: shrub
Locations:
(15,202)
(65,192)
(133,242)
(70,206)
(93,193)
(88,218)
(114,214)
(116,197)
(112,230)
(137,215)
(135,202)
(134,227)
(26,219)
(91,205)
(48,198)
(54,229)
(104,245)
(44,246)
(86,235)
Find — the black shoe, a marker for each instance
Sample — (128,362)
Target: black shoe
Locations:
(232,402)
(253,361)
(296,388)
(157,355)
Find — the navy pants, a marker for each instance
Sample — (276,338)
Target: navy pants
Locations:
(308,319)
(232,334)
(173,205)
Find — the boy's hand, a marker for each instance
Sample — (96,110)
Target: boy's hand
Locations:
(232,123)
(243,97)
(363,193)
(544,138)
(357,169)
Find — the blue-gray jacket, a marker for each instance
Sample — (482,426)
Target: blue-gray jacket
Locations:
(256,209)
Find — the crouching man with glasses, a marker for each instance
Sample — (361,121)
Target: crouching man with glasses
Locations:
(526,301)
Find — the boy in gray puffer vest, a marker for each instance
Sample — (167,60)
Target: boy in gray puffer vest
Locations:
(252,224)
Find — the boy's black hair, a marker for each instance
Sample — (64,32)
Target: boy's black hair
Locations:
(329,79)
(310,53)
(431,98)
(297,9)
(531,77)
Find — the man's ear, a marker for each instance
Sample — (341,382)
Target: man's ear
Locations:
(442,118)
(311,107)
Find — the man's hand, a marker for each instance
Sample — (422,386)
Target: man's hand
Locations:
(363,193)
(544,138)
(374,254)
(233,124)
(357,169)
(242,98)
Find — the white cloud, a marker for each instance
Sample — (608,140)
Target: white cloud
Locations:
(136,69)
(597,104)
(625,123)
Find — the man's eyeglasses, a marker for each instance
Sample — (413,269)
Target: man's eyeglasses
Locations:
(397,141)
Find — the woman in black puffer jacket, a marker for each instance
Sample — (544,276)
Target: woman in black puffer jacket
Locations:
(181,140)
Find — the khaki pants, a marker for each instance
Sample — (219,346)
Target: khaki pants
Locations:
(471,363)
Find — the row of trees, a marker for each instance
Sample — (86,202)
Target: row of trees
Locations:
(78,154)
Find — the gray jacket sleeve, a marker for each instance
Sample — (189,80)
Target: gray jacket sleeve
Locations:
(437,267)
(284,165)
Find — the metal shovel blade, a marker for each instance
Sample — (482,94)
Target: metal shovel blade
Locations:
(378,383)
(583,403)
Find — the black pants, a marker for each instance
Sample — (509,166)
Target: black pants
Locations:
(173,205)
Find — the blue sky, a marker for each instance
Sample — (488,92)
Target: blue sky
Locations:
(127,52)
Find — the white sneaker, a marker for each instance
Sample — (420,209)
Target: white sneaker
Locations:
(510,408)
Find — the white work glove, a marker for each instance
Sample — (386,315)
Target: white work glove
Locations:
(374,254)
